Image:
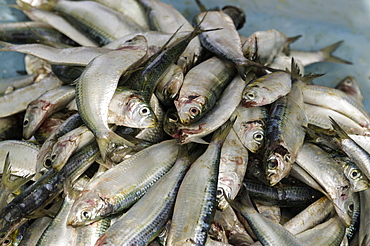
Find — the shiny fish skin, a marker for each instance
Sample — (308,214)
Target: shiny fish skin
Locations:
(266,89)
(98,22)
(169,86)
(45,105)
(267,232)
(195,99)
(218,115)
(114,191)
(11,84)
(229,48)
(153,210)
(49,186)
(284,133)
(315,160)
(267,45)
(23,96)
(77,56)
(96,84)
(22,156)
(232,168)
(250,127)
(336,100)
(60,24)
(68,144)
(195,202)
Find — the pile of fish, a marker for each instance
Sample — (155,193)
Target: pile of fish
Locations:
(132,126)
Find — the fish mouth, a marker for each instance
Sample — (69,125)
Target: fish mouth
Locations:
(276,169)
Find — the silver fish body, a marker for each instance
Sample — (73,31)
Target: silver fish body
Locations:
(232,168)
(250,127)
(23,96)
(201,88)
(325,171)
(123,184)
(266,89)
(94,90)
(195,202)
(48,103)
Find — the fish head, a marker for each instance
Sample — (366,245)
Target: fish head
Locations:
(171,122)
(87,208)
(140,114)
(191,108)
(357,179)
(33,117)
(131,111)
(253,135)
(344,204)
(228,185)
(169,92)
(139,42)
(277,166)
(252,98)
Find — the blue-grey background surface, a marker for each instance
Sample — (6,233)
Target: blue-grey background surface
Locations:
(320,22)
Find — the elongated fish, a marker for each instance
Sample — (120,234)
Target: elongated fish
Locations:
(96,87)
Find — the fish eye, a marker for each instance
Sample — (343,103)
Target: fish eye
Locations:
(258,136)
(287,158)
(7,241)
(25,122)
(144,111)
(348,82)
(351,207)
(194,111)
(47,163)
(219,193)
(273,164)
(354,174)
(86,214)
(250,95)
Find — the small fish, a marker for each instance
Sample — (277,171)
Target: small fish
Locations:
(350,86)
(45,105)
(93,94)
(250,127)
(196,99)
(266,89)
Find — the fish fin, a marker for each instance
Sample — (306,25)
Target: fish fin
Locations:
(199,140)
(296,74)
(329,57)
(112,142)
(201,6)
(341,133)
(290,40)
(12,185)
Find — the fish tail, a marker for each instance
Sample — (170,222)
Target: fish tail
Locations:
(296,74)
(12,185)
(329,57)
(339,130)
(288,42)
(108,144)
(201,6)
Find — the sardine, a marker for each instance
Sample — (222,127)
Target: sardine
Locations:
(45,105)
(250,127)
(195,202)
(153,210)
(319,165)
(98,22)
(217,116)
(284,131)
(322,55)
(123,184)
(232,168)
(202,87)
(17,100)
(266,89)
(350,86)
(93,94)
